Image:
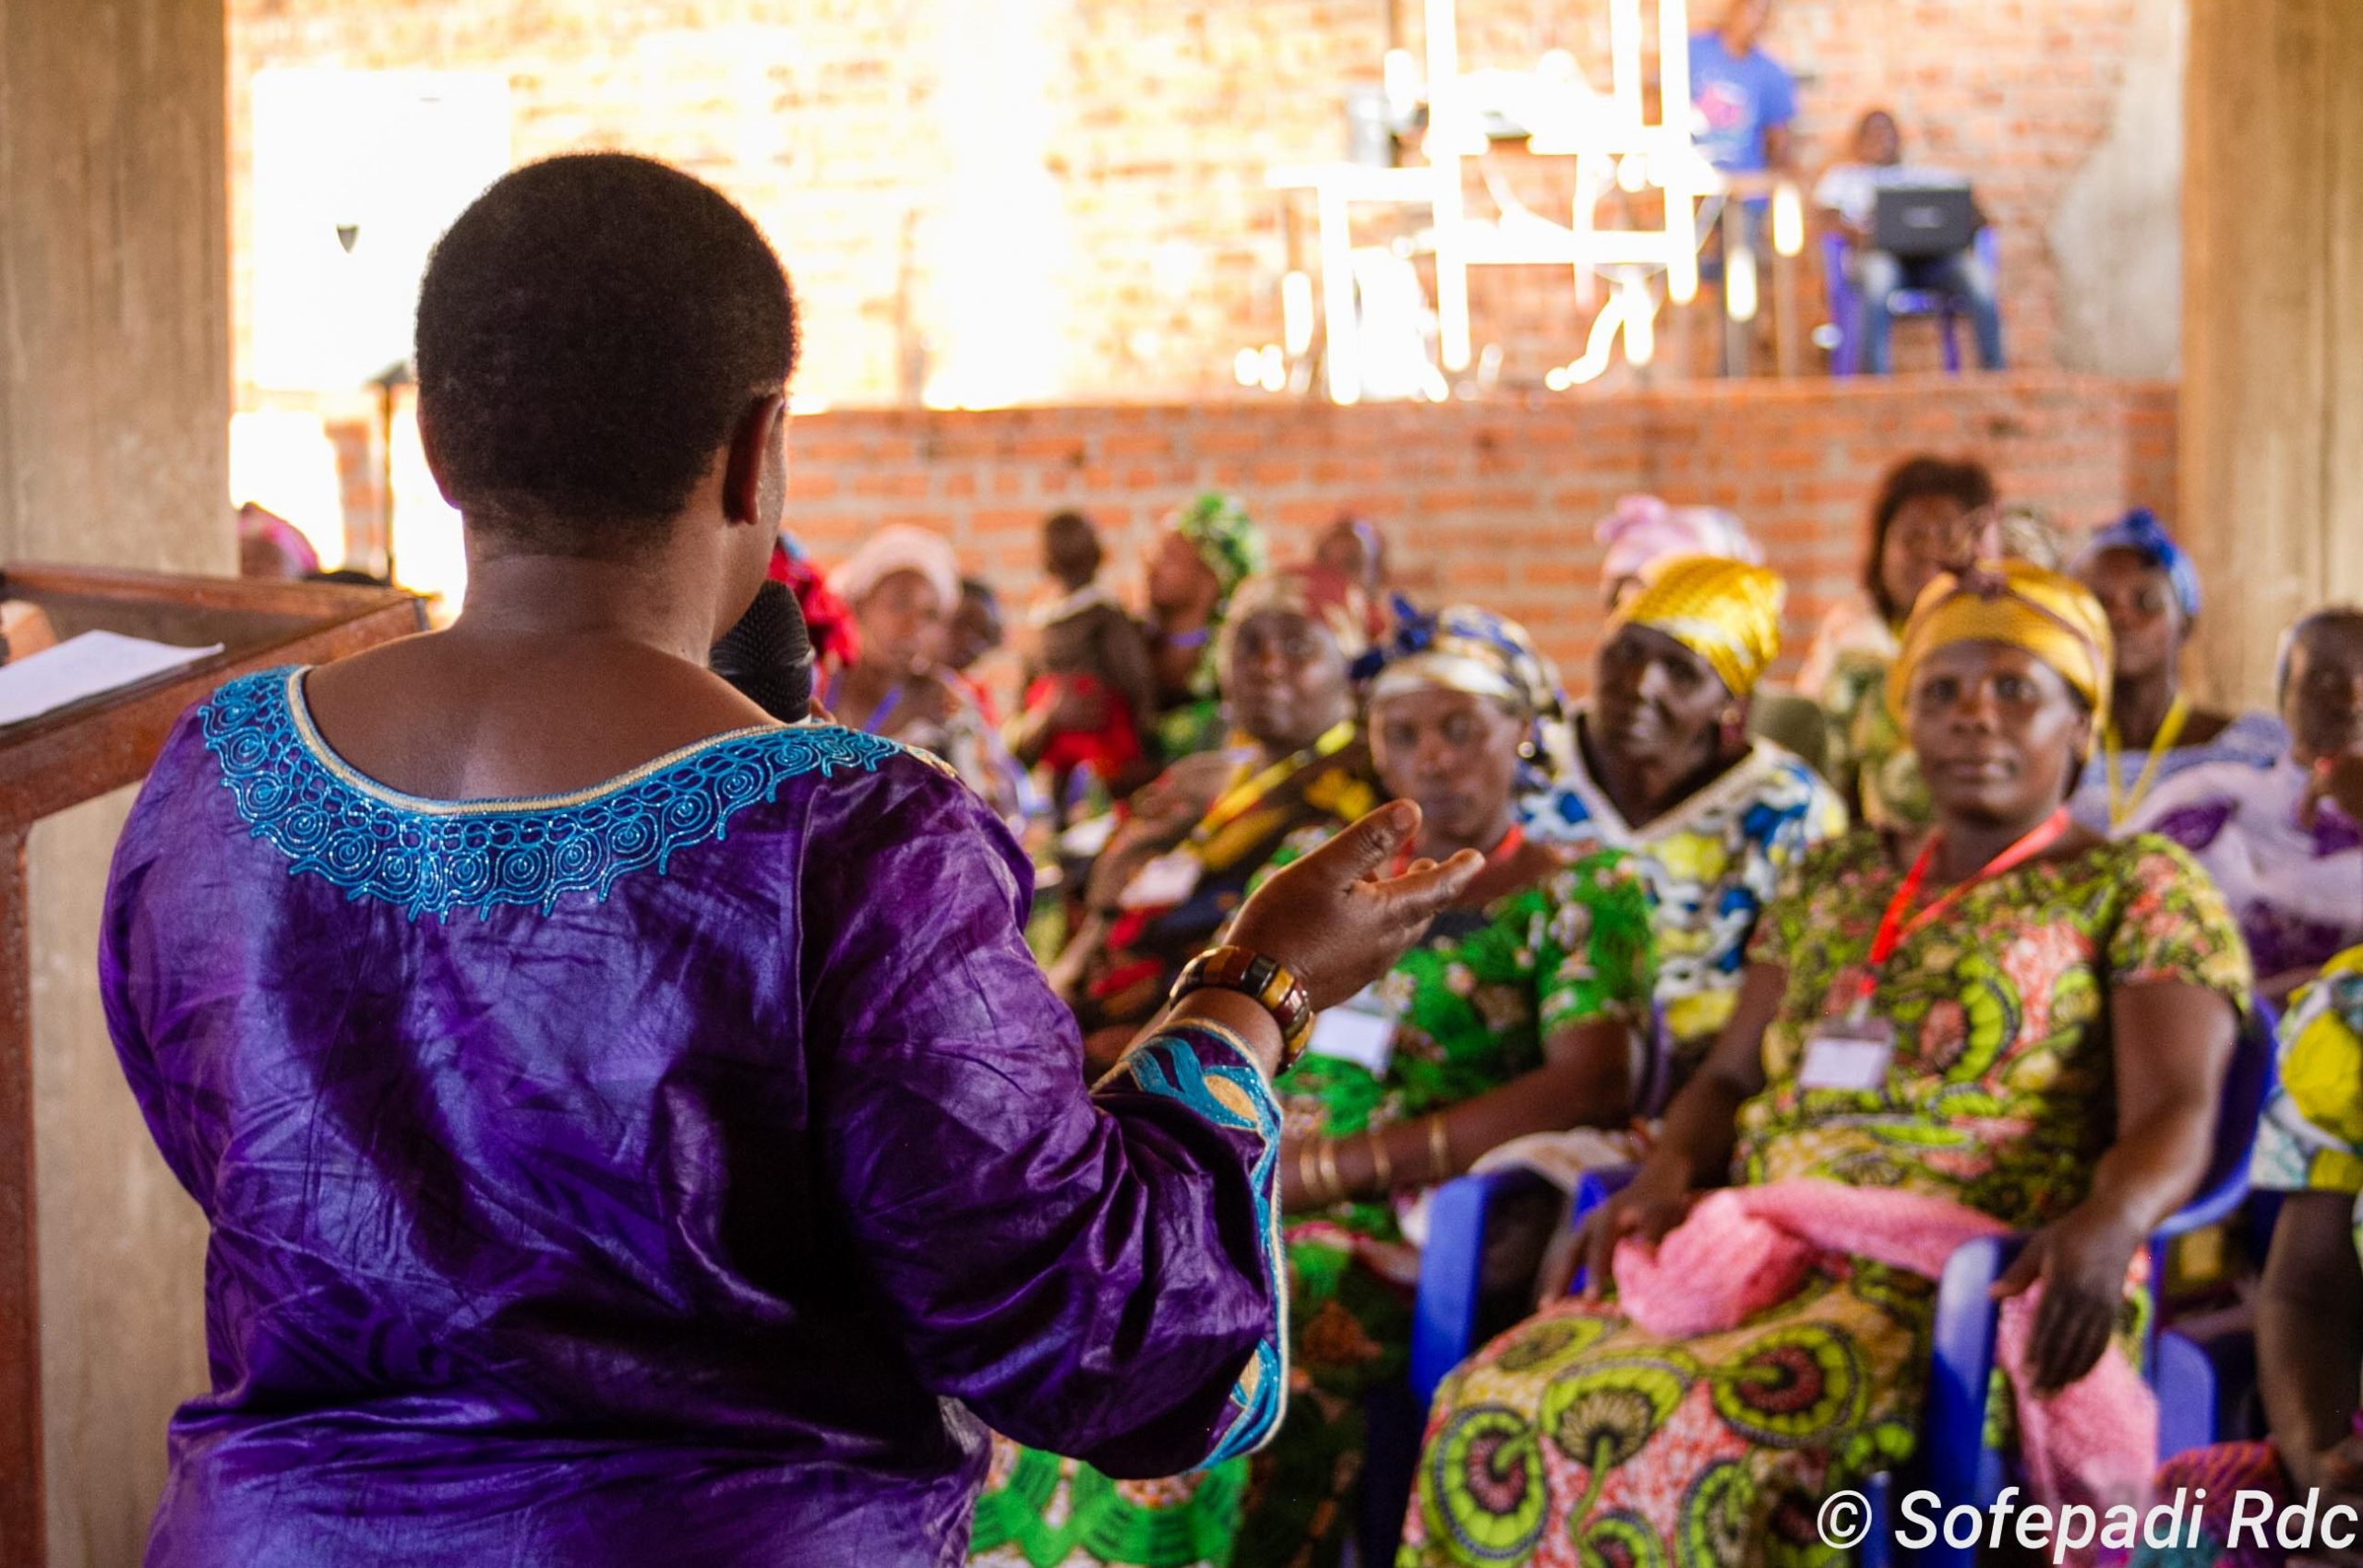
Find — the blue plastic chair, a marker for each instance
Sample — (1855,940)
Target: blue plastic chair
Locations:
(1953,1460)
(1846,303)
(2205,1386)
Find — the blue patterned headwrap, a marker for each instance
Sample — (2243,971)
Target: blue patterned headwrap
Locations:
(2140,531)
(1463,648)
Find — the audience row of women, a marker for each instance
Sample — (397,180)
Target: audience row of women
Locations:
(2009,997)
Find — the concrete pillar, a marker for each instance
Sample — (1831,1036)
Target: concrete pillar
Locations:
(2116,234)
(2272,423)
(115,407)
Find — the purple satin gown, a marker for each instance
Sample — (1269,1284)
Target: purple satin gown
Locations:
(683,1173)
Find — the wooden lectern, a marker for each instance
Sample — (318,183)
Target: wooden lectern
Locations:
(77,753)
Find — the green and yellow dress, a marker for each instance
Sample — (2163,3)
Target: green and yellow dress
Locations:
(1576,1438)
(2310,1140)
(1473,1002)
(1870,754)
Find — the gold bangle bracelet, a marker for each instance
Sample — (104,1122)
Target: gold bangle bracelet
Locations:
(1382,1170)
(1336,1183)
(1306,1178)
(1439,1149)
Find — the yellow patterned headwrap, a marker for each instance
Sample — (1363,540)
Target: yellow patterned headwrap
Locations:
(1726,612)
(2052,616)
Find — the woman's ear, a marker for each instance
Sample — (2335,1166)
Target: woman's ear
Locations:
(754,480)
(430,449)
(1734,721)
(2082,737)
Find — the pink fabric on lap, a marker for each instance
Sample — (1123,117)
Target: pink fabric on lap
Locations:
(1743,1248)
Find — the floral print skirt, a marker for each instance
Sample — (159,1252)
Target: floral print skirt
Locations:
(1577,1439)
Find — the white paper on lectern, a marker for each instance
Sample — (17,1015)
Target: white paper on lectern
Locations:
(84,666)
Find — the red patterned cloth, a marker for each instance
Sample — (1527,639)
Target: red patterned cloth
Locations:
(828,620)
(1108,750)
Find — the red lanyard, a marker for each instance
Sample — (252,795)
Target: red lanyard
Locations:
(1894,927)
(1510,844)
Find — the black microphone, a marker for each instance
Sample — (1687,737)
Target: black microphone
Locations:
(768,655)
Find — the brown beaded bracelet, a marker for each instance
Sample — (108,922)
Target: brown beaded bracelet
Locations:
(1252,974)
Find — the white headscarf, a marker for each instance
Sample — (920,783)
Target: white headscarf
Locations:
(895,549)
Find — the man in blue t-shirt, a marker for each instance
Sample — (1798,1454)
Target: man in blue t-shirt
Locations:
(1744,98)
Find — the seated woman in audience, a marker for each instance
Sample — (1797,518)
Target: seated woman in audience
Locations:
(1524,1010)
(1643,530)
(1176,870)
(269,545)
(1659,764)
(1926,511)
(903,586)
(2020,1023)
(2285,844)
(2151,591)
(975,630)
(2310,1307)
(1209,548)
(1517,1012)
(1355,549)
(1089,708)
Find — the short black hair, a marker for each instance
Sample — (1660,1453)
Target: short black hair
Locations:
(1072,544)
(1965,482)
(589,330)
(2331,619)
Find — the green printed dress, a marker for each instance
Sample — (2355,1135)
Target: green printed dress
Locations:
(1578,1438)
(1868,750)
(1473,1005)
(2310,1140)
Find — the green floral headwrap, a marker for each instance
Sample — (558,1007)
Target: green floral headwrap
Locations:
(1225,538)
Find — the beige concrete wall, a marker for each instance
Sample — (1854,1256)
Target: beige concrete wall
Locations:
(2272,320)
(114,282)
(2117,234)
(115,403)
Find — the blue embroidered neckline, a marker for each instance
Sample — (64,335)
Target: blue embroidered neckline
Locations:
(432,857)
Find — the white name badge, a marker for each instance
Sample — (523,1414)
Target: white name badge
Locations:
(1089,836)
(1361,1032)
(1848,1053)
(1169,878)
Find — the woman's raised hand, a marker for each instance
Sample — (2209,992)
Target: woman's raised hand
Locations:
(1335,922)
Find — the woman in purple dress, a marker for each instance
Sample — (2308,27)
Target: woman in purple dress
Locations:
(2285,842)
(633,1130)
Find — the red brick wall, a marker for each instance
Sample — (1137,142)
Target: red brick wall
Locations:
(1493,504)
(823,117)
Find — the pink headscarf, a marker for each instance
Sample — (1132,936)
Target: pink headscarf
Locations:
(269,545)
(1643,529)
